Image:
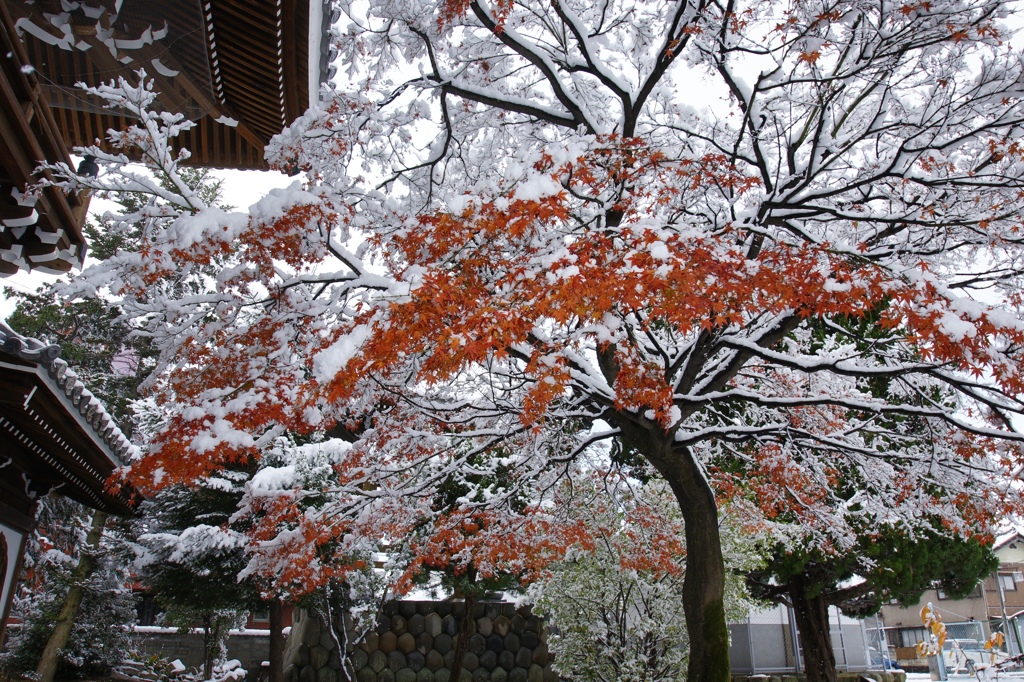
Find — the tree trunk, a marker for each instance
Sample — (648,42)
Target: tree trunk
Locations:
(209,636)
(812,624)
(47,667)
(276,653)
(704,582)
(462,643)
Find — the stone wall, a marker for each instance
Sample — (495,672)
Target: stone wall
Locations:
(415,642)
(249,648)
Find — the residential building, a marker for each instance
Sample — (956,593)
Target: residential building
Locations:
(996,605)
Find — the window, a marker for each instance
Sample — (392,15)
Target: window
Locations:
(911,636)
(1007,582)
(261,614)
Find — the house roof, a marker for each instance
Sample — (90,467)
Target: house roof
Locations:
(1007,537)
(53,430)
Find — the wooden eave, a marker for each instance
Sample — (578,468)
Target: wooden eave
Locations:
(254,71)
(42,232)
(53,434)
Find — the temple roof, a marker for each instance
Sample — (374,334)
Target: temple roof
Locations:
(53,431)
(240,70)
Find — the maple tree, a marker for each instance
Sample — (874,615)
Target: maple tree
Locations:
(582,255)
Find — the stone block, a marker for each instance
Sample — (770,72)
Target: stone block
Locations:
(449,626)
(386,675)
(535,673)
(370,643)
(432,624)
(311,630)
(499,675)
(415,660)
(512,642)
(524,657)
(485,626)
(507,660)
(442,608)
(396,660)
(479,610)
(307,674)
(496,643)
(366,675)
(390,608)
(518,675)
(425,607)
(458,610)
(442,675)
(434,660)
(489,660)
(399,625)
(481,675)
(517,624)
(533,624)
(508,610)
(407,643)
(529,640)
(318,656)
(388,642)
(301,656)
(328,674)
(470,661)
(442,643)
(540,654)
(501,626)
(415,624)
(405,675)
(359,659)
(449,659)
(407,608)
(477,644)
(492,609)
(383,624)
(378,661)
(327,638)
(424,675)
(551,676)
(424,642)
(291,673)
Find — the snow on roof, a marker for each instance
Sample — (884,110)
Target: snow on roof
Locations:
(64,380)
(1008,535)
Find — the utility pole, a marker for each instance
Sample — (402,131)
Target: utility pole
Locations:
(1012,645)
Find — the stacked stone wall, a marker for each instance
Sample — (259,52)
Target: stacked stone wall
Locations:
(415,641)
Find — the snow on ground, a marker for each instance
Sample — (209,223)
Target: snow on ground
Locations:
(925,677)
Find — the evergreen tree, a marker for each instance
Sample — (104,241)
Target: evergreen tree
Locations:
(895,564)
(194,560)
(100,635)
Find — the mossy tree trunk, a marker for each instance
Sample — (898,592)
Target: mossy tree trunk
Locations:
(47,668)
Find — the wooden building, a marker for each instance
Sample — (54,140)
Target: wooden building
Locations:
(54,436)
(240,69)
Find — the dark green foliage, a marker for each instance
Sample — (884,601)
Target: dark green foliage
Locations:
(100,638)
(893,564)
